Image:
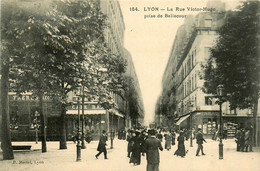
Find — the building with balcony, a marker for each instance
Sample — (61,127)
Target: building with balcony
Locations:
(190,50)
(120,116)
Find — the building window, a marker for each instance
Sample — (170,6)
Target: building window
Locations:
(192,83)
(185,89)
(194,56)
(192,62)
(195,77)
(208,100)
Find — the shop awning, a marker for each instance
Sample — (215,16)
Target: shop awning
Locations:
(86,112)
(182,119)
(116,112)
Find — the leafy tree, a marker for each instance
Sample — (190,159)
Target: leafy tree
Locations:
(63,48)
(31,69)
(234,61)
(10,40)
(80,25)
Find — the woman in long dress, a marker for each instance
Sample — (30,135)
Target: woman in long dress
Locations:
(168,140)
(130,142)
(181,147)
(136,150)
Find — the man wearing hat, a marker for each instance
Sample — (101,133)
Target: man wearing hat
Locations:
(200,140)
(152,144)
(102,145)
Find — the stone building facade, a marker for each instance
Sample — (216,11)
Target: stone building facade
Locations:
(190,50)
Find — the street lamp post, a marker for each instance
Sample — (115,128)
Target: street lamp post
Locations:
(190,108)
(220,94)
(191,130)
(78,135)
(112,132)
(36,126)
(83,146)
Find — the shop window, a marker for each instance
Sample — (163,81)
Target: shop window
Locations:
(231,129)
(35,118)
(14,117)
(205,126)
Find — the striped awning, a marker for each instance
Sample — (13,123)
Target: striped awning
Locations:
(116,112)
(86,112)
(182,119)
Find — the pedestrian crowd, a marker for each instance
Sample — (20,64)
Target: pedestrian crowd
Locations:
(244,140)
(143,142)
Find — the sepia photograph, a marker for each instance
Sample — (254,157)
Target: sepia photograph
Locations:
(130,85)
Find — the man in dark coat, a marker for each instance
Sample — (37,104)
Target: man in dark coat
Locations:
(160,136)
(130,142)
(242,140)
(200,140)
(238,140)
(173,137)
(102,145)
(144,136)
(136,150)
(152,144)
(251,135)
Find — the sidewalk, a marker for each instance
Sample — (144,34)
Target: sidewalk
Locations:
(64,160)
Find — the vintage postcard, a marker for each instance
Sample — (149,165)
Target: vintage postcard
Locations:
(130,85)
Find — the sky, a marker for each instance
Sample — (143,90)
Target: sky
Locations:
(149,40)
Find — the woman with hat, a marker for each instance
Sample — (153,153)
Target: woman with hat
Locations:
(168,140)
(130,142)
(137,149)
(181,147)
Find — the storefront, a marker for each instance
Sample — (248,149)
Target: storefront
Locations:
(95,122)
(206,120)
(25,118)
(234,122)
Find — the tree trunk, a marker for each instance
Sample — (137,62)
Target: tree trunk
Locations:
(6,143)
(63,142)
(43,124)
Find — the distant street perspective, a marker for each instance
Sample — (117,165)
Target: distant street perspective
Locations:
(130,85)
